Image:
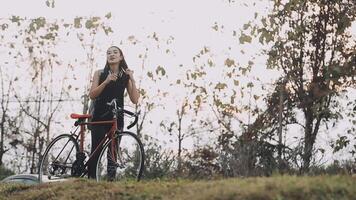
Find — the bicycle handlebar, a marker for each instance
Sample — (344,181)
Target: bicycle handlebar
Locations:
(113,103)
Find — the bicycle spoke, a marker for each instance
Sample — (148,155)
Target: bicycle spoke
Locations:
(58,159)
(122,160)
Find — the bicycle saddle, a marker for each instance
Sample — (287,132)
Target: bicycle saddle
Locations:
(79,116)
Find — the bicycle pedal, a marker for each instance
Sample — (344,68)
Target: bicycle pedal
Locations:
(120,165)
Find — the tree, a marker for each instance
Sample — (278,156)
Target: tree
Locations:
(4,108)
(39,38)
(257,148)
(40,99)
(313,48)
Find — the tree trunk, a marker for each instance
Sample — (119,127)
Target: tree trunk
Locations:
(2,150)
(34,152)
(180,139)
(309,140)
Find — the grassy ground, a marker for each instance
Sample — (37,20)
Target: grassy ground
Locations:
(280,187)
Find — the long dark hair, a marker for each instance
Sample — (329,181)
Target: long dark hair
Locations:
(122,64)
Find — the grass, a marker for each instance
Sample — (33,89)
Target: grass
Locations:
(279,188)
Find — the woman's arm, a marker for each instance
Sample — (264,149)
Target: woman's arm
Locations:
(96,89)
(131,88)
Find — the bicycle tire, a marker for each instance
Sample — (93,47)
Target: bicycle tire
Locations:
(59,155)
(129,146)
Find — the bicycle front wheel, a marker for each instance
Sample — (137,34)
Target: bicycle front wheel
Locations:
(121,159)
(58,159)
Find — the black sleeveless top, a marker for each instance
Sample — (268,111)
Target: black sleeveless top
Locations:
(114,89)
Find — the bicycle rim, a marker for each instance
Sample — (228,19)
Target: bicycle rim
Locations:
(121,160)
(57,161)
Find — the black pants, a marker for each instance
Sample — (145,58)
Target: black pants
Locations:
(97,135)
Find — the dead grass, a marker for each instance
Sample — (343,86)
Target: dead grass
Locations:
(279,187)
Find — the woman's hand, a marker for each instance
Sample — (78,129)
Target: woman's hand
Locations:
(111,77)
(130,73)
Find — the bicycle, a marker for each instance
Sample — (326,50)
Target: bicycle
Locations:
(121,158)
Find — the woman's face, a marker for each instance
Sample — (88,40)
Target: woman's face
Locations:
(113,55)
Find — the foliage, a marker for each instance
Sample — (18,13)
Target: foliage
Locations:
(159,162)
(312,47)
(34,51)
(202,163)
(4,172)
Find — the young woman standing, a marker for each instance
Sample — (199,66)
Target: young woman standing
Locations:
(109,83)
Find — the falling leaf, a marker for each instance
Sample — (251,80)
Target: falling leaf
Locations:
(108,16)
(206,50)
(50,3)
(131,38)
(220,86)
(229,62)
(245,38)
(210,63)
(4,26)
(15,19)
(149,74)
(264,21)
(215,27)
(77,22)
(89,24)
(107,30)
(160,70)
(155,36)
(245,26)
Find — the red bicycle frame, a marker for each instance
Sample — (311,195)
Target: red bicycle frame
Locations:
(109,135)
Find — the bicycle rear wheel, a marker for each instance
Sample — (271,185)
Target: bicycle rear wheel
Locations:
(121,159)
(58,159)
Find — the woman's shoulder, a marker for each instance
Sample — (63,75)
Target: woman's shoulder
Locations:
(99,71)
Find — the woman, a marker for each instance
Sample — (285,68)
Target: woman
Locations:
(108,84)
